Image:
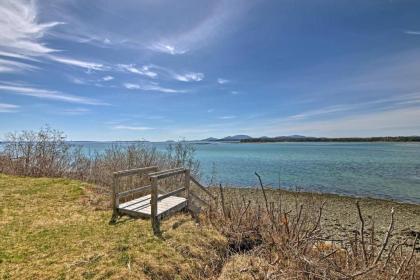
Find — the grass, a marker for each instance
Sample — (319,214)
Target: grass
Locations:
(57,228)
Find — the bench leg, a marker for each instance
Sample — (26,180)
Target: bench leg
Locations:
(115,216)
(155,225)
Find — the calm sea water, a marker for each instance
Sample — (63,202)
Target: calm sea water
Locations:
(382,170)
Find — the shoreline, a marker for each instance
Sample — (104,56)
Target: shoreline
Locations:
(340,216)
(326,194)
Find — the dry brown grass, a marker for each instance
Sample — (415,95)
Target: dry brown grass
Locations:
(52,229)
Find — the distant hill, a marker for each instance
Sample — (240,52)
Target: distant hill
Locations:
(236,138)
(210,139)
(296,136)
(229,138)
(299,138)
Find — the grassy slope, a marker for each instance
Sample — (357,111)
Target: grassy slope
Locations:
(50,229)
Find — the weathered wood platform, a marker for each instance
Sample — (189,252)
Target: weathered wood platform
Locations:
(141,207)
(155,205)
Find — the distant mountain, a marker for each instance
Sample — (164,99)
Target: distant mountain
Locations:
(229,138)
(299,138)
(296,136)
(236,138)
(210,139)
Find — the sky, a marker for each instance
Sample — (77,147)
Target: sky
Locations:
(158,70)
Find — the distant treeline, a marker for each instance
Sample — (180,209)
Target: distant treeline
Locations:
(325,139)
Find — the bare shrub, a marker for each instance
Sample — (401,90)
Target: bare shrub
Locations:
(276,242)
(41,153)
(47,153)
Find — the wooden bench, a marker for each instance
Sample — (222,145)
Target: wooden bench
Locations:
(153,205)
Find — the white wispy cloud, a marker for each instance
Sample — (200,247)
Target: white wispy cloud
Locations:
(75,111)
(227,117)
(107,78)
(397,101)
(322,111)
(132,68)
(131,86)
(8,108)
(79,63)
(47,94)
(151,87)
(189,77)
(9,66)
(16,55)
(390,122)
(222,81)
(78,81)
(132,127)
(21,36)
(166,48)
(20,31)
(234,92)
(412,32)
(204,31)
(171,74)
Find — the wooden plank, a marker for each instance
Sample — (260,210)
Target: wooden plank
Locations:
(172,193)
(187,184)
(141,207)
(153,206)
(203,188)
(115,200)
(164,172)
(135,171)
(136,204)
(136,190)
(170,210)
(168,174)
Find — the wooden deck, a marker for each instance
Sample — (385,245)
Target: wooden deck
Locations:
(141,207)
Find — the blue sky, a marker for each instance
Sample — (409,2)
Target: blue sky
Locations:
(157,70)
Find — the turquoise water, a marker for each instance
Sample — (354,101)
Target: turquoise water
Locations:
(382,170)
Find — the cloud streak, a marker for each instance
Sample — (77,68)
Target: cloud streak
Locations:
(166,48)
(21,35)
(189,77)
(107,78)
(79,63)
(8,108)
(151,87)
(132,68)
(9,66)
(412,32)
(204,31)
(393,121)
(20,31)
(227,117)
(75,111)
(402,100)
(131,127)
(47,94)
(222,81)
